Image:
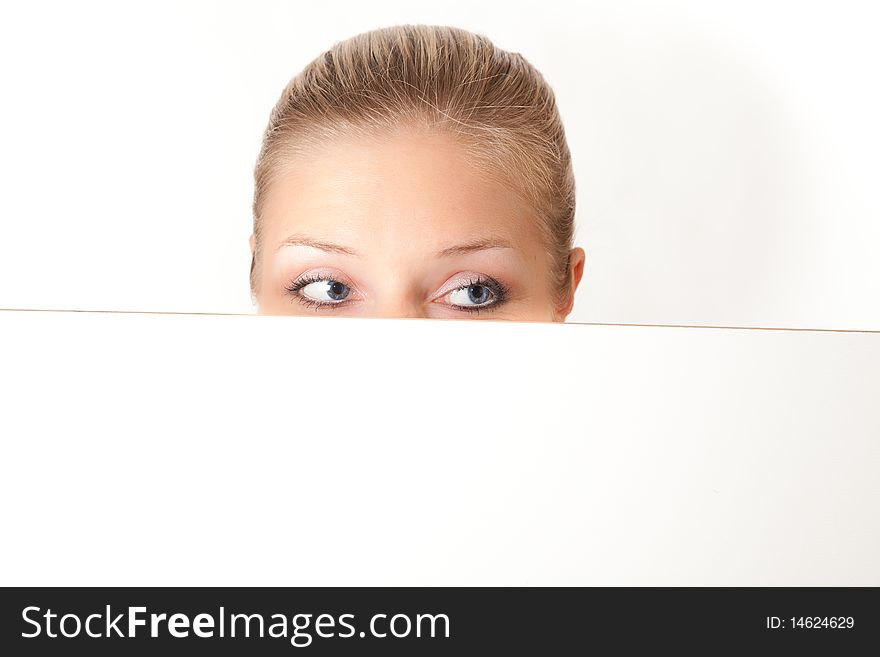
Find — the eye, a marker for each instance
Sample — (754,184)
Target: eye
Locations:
(329,290)
(320,290)
(473,293)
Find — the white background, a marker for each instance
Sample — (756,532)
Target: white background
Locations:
(726,153)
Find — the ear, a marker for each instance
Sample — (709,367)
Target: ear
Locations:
(252,243)
(576,261)
(253,260)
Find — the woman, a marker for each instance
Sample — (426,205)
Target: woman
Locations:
(416,171)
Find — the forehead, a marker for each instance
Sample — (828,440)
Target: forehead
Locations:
(420,187)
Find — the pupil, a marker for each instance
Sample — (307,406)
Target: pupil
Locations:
(337,291)
(478,293)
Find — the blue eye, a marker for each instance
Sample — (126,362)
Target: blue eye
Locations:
(472,295)
(325,291)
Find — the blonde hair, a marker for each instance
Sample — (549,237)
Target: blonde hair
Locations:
(445,78)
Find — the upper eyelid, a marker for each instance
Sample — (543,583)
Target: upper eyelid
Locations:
(464,279)
(318,274)
(459,280)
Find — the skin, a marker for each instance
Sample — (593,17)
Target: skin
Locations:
(402,226)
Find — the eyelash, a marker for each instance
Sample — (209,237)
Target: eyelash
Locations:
(499,290)
(295,286)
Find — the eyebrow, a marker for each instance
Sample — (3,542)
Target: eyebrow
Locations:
(464,248)
(304,240)
(475,245)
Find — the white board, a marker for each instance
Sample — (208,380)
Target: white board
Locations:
(142,449)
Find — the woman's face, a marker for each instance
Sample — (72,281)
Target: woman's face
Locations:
(401,226)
